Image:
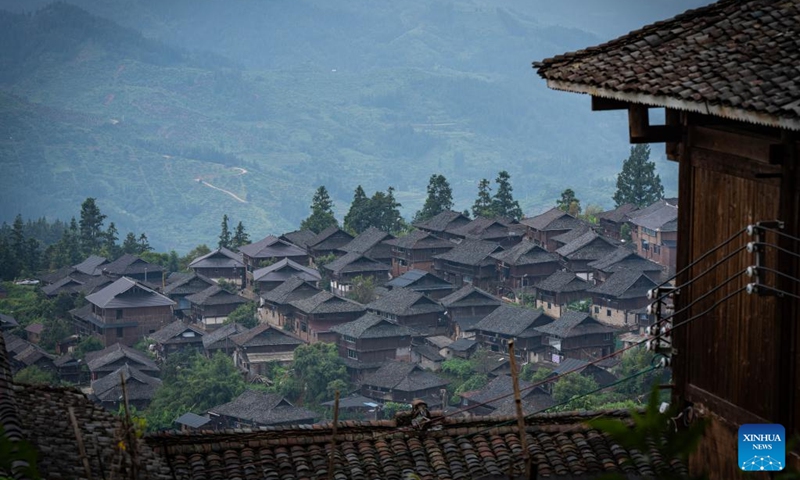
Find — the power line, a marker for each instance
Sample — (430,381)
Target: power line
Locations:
(784,250)
(780,233)
(776,272)
(702,274)
(778,291)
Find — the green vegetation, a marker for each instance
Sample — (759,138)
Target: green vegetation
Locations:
(244,315)
(34,375)
(569,203)
(321,212)
(440,198)
(316,372)
(363,289)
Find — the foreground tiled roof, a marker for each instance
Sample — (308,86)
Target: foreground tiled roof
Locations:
(463,448)
(736,59)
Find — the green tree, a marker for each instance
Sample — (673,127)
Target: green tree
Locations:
(92,236)
(196,252)
(193,383)
(638,183)
(572,385)
(224,234)
(110,248)
(591,212)
(314,368)
(240,236)
(130,245)
(244,315)
(321,212)
(363,289)
(34,375)
(88,344)
(440,198)
(383,212)
(503,203)
(568,203)
(483,204)
(356,220)
(634,361)
(143,244)
(458,367)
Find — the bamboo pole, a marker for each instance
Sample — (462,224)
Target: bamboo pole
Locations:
(81,448)
(332,458)
(523,437)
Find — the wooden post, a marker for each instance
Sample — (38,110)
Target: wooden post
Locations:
(523,437)
(79,438)
(129,435)
(332,458)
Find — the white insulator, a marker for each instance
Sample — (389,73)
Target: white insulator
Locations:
(665,362)
(751,271)
(751,288)
(651,309)
(651,294)
(751,247)
(751,230)
(650,345)
(663,331)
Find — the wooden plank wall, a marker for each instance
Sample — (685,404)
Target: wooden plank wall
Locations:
(733,360)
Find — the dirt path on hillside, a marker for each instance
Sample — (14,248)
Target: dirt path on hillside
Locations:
(241,171)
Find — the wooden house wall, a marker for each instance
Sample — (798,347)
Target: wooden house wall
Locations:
(740,359)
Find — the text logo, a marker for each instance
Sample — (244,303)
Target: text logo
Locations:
(762,447)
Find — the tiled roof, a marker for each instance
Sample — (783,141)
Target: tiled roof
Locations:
(298,237)
(91,266)
(285,269)
(131,265)
(67,285)
(42,416)
(370,325)
(589,246)
(656,216)
(52,277)
(192,420)
(619,214)
(271,247)
(501,386)
(420,239)
(7,321)
(624,259)
(525,253)
(563,282)
(443,221)
(323,239)
(462,345)
(552,220)
(366,240)
(565,325)
(513,321)
(189,284)
(326,302)
(414,279)
(99,360)
(138,385)
(294,288)
(469,296)
(482,228)
(263,335)
(263,409)
(219,258)
(221,336)
(174,333)
(572,234)
(355,263)
(402,301)
(23,352)
(428,351)
(625,284)
(471,252)
(215,295)
(463,448)
(352,401)
(127,293)
(403,377)
(35,328)
(735,59)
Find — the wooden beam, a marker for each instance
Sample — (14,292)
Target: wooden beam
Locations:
(601,104)
(642,132)
(638,120)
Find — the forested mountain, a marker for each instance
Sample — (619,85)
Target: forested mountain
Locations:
(245,108)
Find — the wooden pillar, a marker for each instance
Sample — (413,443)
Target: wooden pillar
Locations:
(684,257)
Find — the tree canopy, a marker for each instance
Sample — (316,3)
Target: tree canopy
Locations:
(569,203)
(244,315)
(638,183)
(315,367)
(356,220)
(381,211)
(503,203)
(224,234)
(483,204)
(321,212)
(440,198)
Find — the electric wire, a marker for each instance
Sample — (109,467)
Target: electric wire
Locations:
(776,272)
(778,291)
(703,296)
(703,273)
(779,232)
(777,247)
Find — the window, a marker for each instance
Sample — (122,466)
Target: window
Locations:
(119,313)
(608,312)
(645,244)
(597,310)
(349,339)
(549,305)
(352,354)
(304,327)
(119,332)
(657,249)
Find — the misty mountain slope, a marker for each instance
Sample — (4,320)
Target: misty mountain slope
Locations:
(382,95)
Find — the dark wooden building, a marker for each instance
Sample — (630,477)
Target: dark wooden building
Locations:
(328,242)
(441,224)
(412,309)
(267,278)
(403,382)
(524,264)
(134,267)
(612,221)
(543,227)
(140,389)
(269,250)
(371,243)
(108,360)
(211,307)
(415,251)
(616,301)
(577,335)
(313,317)
(276,304)
(423,282)
(624,259)
(519,324)
(555,292)
(221,264)
(654,231)
(183,286)
(505,232)
(176,337)
(125,311)
(466,307)
(258,409)
(469,262)
(579,253)
(346,268)
(261,345)
(369,341)
(727,76)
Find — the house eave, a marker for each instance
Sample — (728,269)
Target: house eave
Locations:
(705,108)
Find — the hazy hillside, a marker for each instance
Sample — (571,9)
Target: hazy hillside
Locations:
(263,101)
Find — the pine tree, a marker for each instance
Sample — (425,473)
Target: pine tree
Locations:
(224,234)
(638,183)
(483,204)
(240,236)
(503,203)
(440,198)
(569,203)
(130,245)
(110,249)
(356,220)
(91,233)
(144,244)
(321,212)
(384,212)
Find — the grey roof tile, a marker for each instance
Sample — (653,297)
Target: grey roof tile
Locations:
(513,321)
(371,325)
(471,252)
(127,293)
(402,301)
